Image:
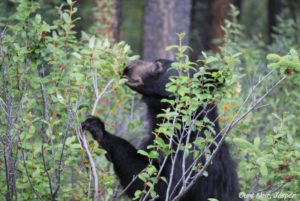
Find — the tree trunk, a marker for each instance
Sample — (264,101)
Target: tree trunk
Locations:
(8,141)
(200,28)
(219,10)
(206,32)
(163,19)
(117,20)
(274,7)
(108,16)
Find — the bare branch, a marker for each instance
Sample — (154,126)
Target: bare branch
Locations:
(92,163)
(60,163)
(100,96)
(83,139)
(47,171)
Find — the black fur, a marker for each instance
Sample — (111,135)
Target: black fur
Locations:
(150,79)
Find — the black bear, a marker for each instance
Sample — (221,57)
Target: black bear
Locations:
(150,79)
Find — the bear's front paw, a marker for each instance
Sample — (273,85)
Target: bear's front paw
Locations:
(95,126)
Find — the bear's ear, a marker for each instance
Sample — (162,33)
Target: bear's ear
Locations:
(158,67)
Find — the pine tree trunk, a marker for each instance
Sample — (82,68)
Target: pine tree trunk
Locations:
(163,19)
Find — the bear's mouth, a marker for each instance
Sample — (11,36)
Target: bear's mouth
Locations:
(133,82)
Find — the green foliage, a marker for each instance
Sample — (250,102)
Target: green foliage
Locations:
(266,142)
(288,62)
(48,85)
(48,82)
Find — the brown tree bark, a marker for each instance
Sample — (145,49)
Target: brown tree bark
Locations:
(162,20)
(108,18)
(117,20)
(207,18)
(219,10)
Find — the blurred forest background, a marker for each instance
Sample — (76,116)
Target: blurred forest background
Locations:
(57,57)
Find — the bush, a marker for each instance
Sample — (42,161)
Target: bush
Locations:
(49,81)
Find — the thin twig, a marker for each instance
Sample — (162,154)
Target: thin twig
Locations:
(47,171)
(100,96)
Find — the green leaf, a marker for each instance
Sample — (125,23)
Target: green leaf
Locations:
(75,146)
(205,173)
(273,57)
(38,18)
(76,55)
(92,42)
(171,47)
(123,81)
(263,169)
(257,142)
(211,59)
(181,35)
(151,170)
(242,143)
(137,193)
(143,176)
(67,18)
(153,154)
(160,142)
(144,153)
(70,140)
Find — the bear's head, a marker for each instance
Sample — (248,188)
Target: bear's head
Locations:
(149,78)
